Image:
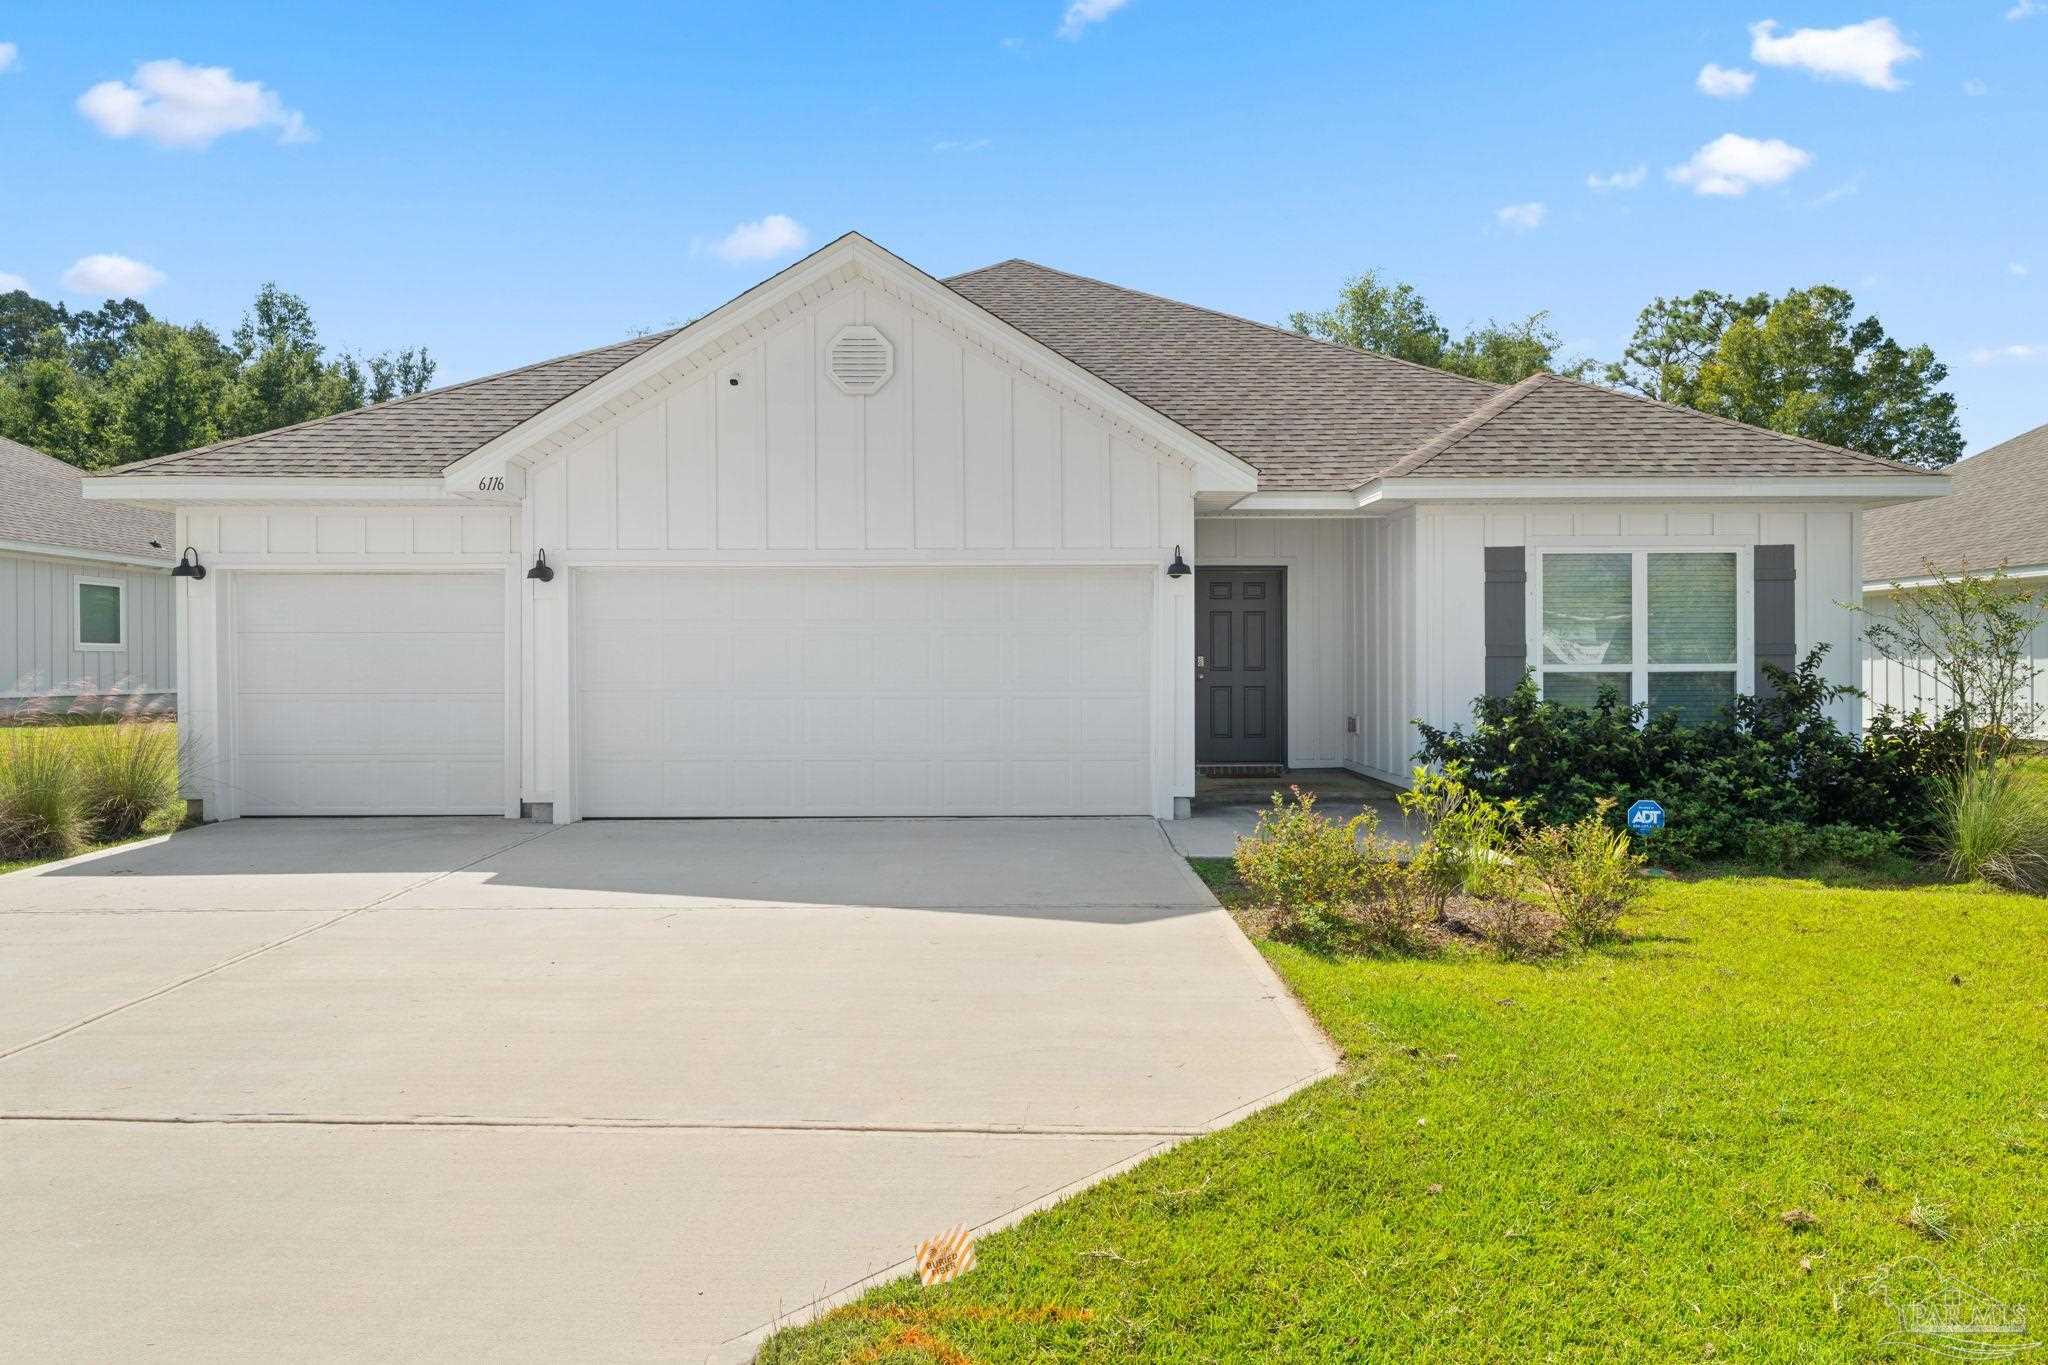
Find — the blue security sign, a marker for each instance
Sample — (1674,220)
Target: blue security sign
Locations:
(1645,817)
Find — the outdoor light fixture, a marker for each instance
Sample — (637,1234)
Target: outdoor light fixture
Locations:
(540,572)
(1179,568)
(189,565)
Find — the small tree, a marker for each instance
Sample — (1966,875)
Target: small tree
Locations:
(1970,634)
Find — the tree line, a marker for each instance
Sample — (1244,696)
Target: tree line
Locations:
(1802,363)
(103,386)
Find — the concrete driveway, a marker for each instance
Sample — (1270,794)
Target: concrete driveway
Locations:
(426,1089)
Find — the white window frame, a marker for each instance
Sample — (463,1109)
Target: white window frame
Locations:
(1639,668)
(78,640)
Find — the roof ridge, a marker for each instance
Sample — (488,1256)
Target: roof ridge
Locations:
(1288,332)
(1462,428)
(387,405)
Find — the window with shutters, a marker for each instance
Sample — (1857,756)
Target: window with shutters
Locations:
(1670,627)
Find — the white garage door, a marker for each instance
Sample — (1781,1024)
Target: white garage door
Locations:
(369,694)
(957,691)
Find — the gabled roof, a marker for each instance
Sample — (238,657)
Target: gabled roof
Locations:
(1547,427)
(1996,514)
(415,437)
(41,504)
(1304,413)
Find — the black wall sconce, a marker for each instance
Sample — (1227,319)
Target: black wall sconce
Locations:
(189,565)
(1179,568)
(541,572)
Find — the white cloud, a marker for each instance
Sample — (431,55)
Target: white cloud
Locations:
(1618,180)
(1724,82)
(2019,351)
(976,144)
(2018,271)
(1864,53)
(10,283)
(776,235)
(1733,164)
(115,276)
(176,105)
(1521,217)
(2026,9)
(9,55)
(1081,13)
(1975,88)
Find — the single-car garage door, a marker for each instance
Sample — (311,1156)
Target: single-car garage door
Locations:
(955,691)
(369,693)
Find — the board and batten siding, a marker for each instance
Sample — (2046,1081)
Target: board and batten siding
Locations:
(961,458)
(1449,582)
(38,630)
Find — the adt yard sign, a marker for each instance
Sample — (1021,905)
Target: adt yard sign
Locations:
(1645,817)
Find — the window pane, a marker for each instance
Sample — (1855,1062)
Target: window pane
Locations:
(1692,608)
(1696,697)
(1586,610)
(99,614)
(1583,689)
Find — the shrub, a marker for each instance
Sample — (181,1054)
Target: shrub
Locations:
(1584,873)
(1781,846)
(129,773)
(1766,761)
(1400,902)
(1462,833)
(1993,823)
(43,811)
(1304,869)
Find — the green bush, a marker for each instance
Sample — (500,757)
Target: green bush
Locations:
(1585,873)
(1305,869)
(1463,835)
(1764,762)
(1993,824)
(129,773)
(43,810)
(1783,846)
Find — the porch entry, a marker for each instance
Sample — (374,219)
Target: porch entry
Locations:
(1240,667)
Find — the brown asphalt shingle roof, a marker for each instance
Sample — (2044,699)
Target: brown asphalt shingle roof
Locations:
(1995,513)
(415,437)
(1306,414)
(41,504)
(1547,427)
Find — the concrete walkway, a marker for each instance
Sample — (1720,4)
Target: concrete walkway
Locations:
(432,1089)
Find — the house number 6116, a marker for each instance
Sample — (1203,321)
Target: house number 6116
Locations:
(491,483)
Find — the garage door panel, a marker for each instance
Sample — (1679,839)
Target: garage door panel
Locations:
(845,692)
(367,693)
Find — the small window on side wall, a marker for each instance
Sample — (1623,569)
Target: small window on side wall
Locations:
(101,618)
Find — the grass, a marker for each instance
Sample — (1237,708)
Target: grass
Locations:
(1781,1107)
(79,739)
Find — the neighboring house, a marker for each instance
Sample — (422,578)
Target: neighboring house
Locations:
(85,590)
(865,542)
(1995,517)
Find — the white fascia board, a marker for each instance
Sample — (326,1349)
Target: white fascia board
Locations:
(1308,502)
(1216,469)
(1870,490)
(2015,573)
(25,547)
(167,491)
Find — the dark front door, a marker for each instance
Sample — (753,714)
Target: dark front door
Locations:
(1240,666)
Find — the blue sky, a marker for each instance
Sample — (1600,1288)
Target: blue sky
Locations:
(506,183)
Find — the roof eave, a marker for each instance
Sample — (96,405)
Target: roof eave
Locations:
(170,490)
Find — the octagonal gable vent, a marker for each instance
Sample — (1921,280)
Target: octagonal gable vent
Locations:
(860,359)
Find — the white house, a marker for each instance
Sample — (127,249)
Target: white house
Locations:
(85,591)
(1995,517)
(863,541)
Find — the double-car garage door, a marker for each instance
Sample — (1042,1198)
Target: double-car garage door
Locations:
(955,691)
(706,692)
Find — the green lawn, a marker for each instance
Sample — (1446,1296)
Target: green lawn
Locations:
(1587,1160)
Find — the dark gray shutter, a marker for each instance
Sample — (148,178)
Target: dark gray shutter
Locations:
(1775,640)
(1507,619)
